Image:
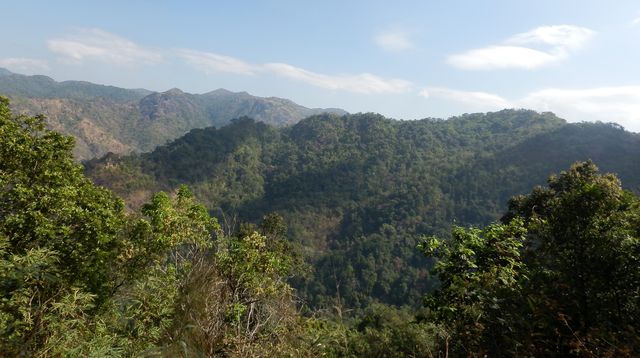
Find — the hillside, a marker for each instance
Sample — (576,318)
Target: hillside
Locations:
(111,119)
(357,191)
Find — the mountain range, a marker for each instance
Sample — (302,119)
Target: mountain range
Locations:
(340,225)
(110,119)
(358,191)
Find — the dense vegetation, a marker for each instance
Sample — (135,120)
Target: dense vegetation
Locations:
(80,276)
(111,119)
(356,191)
(559,275)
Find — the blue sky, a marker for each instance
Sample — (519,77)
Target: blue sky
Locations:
(404,59)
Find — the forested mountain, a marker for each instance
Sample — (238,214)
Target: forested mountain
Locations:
(557,275)
(111,119)
(357,191)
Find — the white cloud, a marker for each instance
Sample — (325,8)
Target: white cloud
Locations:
(619,104)
(211,62)
(475,99)
(95,44)
(98,45)
(499,57)
(394,41)
(554,43)
(636,21)
(562,36)
(21,64)
(365,83)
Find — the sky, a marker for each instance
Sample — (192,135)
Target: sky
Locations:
(403,59)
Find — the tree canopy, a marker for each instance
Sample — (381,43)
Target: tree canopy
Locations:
(357,191)
(560,275)
(81,277)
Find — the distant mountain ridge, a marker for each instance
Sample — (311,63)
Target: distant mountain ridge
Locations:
(111,119)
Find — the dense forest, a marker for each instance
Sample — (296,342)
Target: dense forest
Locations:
(357,191)
(339,236)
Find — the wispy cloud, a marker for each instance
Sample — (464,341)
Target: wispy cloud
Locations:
(478,100)
(21,64)
(636,21)
(500,57)
(532,49)
(394,41)
(99,45)
(365,83)
(212,62)
(620,104)
(567,37)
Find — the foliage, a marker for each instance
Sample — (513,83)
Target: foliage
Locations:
(379,330)
(572,288)
(584,239)
(79,277)
(356,191)
(391,332)
(47,203)
(59,232)
(237,301)
(481,273)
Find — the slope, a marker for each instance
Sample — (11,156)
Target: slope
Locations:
(111,119)
(358,190)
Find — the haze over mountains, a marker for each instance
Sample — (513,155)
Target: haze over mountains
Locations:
(111,119)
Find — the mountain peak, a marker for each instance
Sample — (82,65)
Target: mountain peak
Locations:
(219,92)
(174,91)
(226,92)
(110,113)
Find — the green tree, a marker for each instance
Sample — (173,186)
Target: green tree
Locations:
(237,301)
(481,277)
(78,276)
(57,230)
(559,276)
(583,252)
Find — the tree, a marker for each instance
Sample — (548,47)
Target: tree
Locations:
(583,251)
(560,275)
(57,229)
(481,276)
(237,301)
(78,276)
